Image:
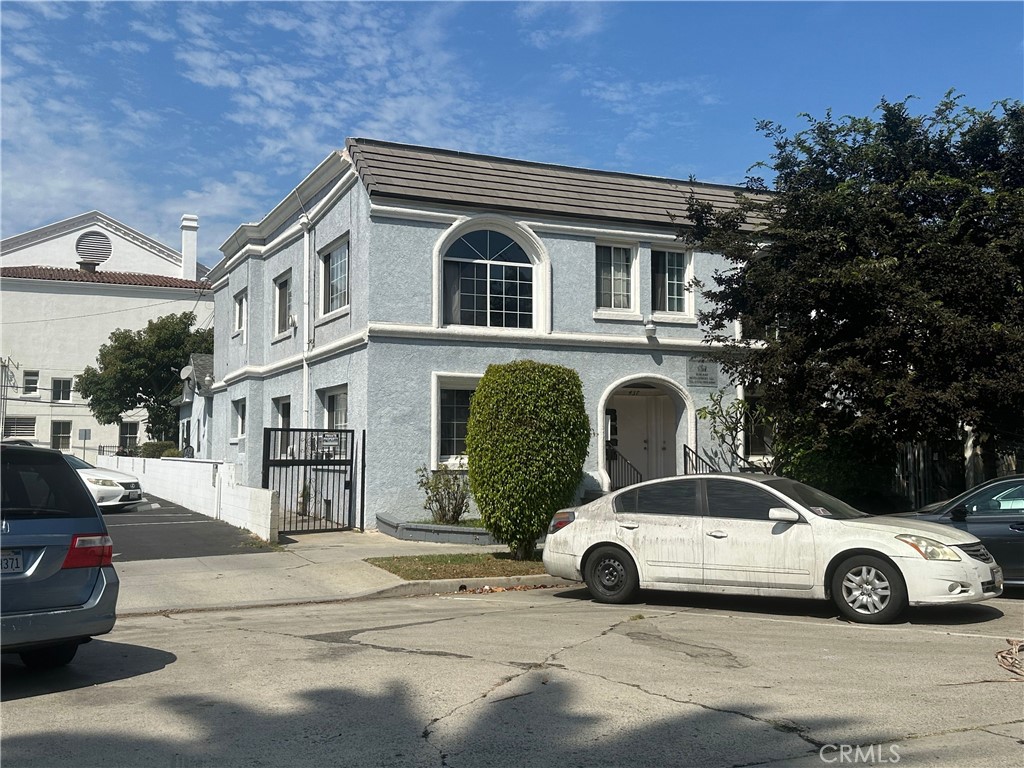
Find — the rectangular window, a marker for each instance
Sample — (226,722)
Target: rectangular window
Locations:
(614,284)
(238,420)
(668,281)
(60,390)
(758,435)
(283,303)
(30,383)
(454,415)
(335,279)
(283,412)
(20,426)
(241,308)
(336,408)
(60,435)
(128,434)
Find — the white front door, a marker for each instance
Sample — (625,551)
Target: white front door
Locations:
(645,422)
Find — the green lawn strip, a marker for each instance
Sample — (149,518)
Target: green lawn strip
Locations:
(457,566)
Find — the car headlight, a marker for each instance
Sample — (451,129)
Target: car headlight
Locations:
(929,549)
(101,481)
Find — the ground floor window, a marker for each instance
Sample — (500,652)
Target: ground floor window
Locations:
(335,404)
(128,436)
(60,435)
(454,416)
(20,426)
(238,420)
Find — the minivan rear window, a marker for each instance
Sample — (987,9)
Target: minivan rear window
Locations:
(38,483)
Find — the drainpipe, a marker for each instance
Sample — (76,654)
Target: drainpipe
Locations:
(307,254)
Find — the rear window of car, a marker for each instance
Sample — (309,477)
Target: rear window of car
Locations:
(35,483)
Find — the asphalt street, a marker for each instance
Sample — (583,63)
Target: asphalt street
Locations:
(535,678)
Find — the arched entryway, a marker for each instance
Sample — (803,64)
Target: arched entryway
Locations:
(645,428)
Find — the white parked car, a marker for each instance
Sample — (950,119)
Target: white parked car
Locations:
(763,535)
(110,488)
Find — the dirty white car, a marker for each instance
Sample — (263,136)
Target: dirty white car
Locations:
(763,535)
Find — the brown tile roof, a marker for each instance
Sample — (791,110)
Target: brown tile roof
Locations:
(110,278)
(449,177)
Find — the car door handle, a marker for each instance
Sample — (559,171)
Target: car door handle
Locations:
(717,534)
(628,524)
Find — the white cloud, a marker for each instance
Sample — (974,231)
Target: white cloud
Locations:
(546,25)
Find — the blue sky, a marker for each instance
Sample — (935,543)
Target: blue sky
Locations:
(146,111)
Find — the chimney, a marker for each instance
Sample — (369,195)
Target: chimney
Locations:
(87,266)
(189,245)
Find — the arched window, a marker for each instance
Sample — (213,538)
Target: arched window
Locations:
(488,281)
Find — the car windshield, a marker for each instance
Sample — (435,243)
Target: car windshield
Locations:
(77,463)
(819,502)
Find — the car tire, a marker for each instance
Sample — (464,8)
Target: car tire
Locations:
(869,590)
(611,576)
(51,657)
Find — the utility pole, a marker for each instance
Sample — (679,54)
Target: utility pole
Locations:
(7,380)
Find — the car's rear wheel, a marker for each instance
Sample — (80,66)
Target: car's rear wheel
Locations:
(869,590)
(611,576)
(51,657)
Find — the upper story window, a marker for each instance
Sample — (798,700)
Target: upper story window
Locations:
(30,383)
(614,277)
(334,278)
(488,281)
(283,303)
(669,279)
(60,390)
(241,309)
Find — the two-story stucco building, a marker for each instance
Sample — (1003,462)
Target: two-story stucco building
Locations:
(375,295)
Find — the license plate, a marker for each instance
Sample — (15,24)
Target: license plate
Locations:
(11,561)
(134,495)
(997,577)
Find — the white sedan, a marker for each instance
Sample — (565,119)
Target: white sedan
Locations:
(110,488)
(764,535)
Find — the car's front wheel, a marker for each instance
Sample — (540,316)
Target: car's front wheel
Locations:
(611,576)
(869,590)
(51,657)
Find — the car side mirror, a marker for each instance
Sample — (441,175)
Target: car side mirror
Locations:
(783,515)
(959,514)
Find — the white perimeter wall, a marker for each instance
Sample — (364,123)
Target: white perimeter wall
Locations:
(206,487)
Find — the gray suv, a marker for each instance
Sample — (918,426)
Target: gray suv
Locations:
(58,588)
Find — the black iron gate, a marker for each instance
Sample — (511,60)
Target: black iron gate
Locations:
(316,474)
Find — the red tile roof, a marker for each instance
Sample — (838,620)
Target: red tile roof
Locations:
(110,278)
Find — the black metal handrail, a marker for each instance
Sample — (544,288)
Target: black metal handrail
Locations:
(621,472)
(694,464)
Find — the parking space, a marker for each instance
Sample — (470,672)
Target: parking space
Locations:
(160,530)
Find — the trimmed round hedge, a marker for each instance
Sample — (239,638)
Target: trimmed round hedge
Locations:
(527,438)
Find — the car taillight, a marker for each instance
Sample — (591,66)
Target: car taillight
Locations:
(90,551)
(561,519)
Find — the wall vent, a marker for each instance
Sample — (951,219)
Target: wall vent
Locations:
(93,247)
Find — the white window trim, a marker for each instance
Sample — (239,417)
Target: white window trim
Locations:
(322,255)
(241,315)
(328,392)
(53,389)
(531,244)
(290,321)
(689,315)
(238,424)
(443,380)
(610,313)
(34,394)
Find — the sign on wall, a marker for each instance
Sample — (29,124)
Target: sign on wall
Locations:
(701,373)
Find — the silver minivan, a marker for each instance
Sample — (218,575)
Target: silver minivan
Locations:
(58,588)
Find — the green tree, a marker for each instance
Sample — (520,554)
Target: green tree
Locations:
(527,438)
(138,369)
(884,277)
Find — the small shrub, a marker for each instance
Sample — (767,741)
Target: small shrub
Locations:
(171,453)
(156,449)
(447,493)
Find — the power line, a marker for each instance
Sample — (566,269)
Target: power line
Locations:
(97,314)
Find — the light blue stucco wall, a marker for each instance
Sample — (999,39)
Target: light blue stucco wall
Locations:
(386,349)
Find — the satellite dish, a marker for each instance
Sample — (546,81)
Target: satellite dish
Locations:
(186,372)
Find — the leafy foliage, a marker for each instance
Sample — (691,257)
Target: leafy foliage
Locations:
(885,276)
(527,438)
(728,423)
(156,450)
(138,369)
(447,492)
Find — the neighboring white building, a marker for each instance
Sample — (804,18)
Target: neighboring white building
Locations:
(375,295)
(63,289)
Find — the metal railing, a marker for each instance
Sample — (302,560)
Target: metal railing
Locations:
(694,464)
(621,472)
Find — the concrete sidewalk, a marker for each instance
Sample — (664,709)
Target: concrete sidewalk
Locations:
(313,568)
